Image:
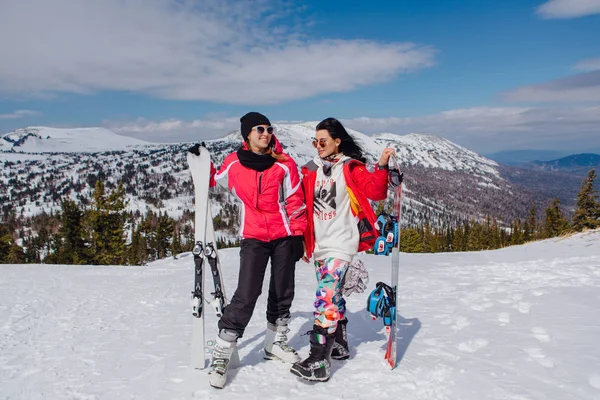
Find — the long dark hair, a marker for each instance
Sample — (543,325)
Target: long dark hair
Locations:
(337,131)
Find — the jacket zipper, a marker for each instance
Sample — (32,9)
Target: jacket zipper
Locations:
(260,183)
(259,192)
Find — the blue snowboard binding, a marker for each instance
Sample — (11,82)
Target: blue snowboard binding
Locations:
(387,225)
(381,303)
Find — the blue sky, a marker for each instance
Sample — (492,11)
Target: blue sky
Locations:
(489,75)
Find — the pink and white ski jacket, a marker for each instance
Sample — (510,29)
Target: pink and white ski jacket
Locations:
(272,200)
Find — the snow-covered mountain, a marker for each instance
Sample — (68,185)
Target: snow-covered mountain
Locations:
(425,150)
(520,323)
(444,182)
(41,139)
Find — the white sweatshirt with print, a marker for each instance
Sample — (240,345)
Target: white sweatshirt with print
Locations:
(336,232)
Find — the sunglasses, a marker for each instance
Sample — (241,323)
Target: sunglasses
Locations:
(319,142)
(261,129)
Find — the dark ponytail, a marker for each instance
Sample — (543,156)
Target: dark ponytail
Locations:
(347,146)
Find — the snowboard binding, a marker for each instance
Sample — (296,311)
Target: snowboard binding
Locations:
(381,303)
(387,225)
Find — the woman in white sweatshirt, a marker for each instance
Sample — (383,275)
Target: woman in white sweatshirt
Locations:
(341,222)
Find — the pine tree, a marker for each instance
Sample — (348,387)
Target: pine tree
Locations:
(530,228)
(70,246)
(587,211)
(15,254)
(457,240)
(164,231)
(32,254)
(516,236)
(556,223)
(137,253)
(176,242)
(106,222)
(147,237)
(448,239)
(10,251)
(4,248)
(495,240)
(475,240)
(429,242)
(411,241)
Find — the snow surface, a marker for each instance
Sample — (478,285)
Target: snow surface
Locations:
(519,323)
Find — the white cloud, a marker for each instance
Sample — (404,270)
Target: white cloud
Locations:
(591,64)
(18,114)
(583,87)
(482,129)
(568,8)
(243,52)
(174,130)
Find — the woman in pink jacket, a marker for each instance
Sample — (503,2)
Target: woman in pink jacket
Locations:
(273,220)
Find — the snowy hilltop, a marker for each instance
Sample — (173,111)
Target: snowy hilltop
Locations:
(516,323)
(41,139)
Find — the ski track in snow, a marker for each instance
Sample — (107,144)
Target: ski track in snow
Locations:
(517,323)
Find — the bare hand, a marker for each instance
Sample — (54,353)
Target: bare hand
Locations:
(385,156)
(304,258)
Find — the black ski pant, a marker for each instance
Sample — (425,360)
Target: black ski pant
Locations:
(254,256)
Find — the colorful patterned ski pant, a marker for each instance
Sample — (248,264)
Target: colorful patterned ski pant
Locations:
(330,306)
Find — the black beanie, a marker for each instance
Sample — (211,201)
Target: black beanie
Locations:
(251,120)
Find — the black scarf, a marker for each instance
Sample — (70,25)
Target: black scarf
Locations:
(257,162)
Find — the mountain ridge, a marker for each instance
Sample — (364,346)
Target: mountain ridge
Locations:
(576,163)
(444,183)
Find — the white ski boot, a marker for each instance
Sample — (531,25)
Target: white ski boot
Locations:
(222,353)
(276,346)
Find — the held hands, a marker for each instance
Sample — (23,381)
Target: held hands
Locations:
(385,156)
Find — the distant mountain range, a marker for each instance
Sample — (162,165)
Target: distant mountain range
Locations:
(577,163)
(518,157)
(444,182)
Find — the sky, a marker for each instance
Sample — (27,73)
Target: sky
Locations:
(519,323)
(485,74)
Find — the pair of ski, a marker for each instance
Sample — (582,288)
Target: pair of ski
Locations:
(204,251)
(391,311)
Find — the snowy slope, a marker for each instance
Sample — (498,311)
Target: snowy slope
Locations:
(436,152)
(519,323)
(41,139)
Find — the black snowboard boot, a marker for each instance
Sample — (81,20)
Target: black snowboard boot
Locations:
(340,347)
(317,367)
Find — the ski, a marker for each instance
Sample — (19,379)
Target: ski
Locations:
(199,166)
(219,300)
(395,178)
(205,251)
